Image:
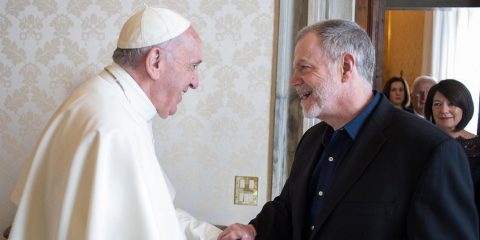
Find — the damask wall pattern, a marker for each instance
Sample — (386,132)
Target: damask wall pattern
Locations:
(221,129)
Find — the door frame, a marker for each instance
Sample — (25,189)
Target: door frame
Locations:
(370,14)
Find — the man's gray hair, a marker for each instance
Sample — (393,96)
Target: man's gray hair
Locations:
(338,37)
(424,78)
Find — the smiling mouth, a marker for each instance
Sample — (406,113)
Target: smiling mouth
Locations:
(304,95)
(445,118)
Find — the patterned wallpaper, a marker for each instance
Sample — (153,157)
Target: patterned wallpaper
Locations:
(220,130)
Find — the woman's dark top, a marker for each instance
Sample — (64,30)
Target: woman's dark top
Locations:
(472,149)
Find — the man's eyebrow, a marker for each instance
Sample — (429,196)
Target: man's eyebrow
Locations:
(300,62)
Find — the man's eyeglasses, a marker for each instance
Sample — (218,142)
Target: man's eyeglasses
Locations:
(191,67)
(420,94)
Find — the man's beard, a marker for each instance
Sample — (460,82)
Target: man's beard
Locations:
(318,100)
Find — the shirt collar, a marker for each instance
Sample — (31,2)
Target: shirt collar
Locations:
(134,94)
(354,126)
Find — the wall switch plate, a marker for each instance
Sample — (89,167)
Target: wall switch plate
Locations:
(246,190)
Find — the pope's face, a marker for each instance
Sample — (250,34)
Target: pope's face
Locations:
(180,74)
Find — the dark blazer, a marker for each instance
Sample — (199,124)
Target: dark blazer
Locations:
(402,179)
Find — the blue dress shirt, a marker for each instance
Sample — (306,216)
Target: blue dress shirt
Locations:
(335,145)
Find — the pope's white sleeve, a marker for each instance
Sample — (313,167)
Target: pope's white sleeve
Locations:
(195,229)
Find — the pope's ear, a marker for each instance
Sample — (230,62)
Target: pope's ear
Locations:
(152,62)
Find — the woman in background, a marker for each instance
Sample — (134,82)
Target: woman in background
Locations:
(449,106)
(396,90)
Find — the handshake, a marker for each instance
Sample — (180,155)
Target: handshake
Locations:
(238,231)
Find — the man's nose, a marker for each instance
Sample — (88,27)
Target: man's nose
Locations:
(294,79)
(195,81)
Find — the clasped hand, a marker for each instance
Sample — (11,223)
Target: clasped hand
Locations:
(238,231)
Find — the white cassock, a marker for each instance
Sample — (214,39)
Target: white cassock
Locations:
(94,173)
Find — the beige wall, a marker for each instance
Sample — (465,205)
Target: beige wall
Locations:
(403,46)
(221,130)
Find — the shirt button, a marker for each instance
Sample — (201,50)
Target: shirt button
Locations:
(312,227)
(320,193)
(330,159)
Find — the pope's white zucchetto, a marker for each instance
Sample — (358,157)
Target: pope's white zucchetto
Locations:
(151,26)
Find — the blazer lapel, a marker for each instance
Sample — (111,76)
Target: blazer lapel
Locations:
(367,144)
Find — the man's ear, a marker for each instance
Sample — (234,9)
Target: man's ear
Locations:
(152,62)
(348,63)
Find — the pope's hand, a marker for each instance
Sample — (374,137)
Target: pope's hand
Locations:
(238,231)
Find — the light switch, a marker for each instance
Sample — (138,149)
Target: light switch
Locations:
(246,190)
